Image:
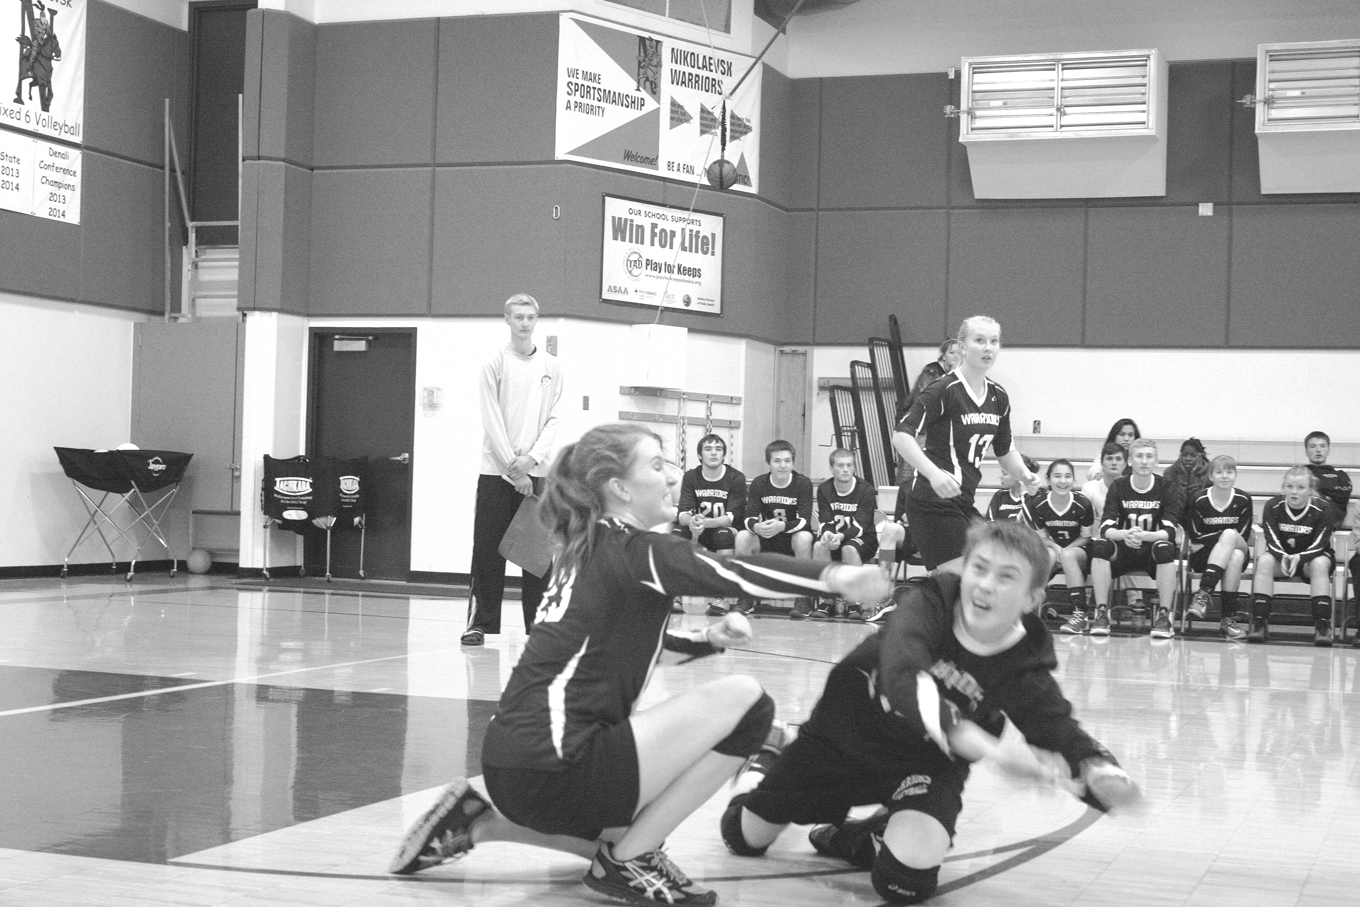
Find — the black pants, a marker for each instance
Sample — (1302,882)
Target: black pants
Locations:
(497,502)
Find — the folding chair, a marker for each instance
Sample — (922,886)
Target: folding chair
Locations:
(130,476)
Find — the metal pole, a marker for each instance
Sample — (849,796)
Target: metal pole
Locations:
(166,159)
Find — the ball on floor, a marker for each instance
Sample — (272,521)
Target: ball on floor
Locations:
(199,561)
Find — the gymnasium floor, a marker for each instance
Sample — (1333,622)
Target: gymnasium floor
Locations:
(188,742)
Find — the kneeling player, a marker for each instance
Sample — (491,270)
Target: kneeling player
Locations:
(845,510)
(1298,534)
(962,654)
(712,497)
(1218,523)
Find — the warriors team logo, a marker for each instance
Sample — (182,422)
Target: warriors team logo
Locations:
(293,486)
(39,49)
(649,66)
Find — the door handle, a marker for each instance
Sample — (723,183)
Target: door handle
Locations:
(404,459)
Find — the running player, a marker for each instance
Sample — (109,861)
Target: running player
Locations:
(712,498)
(961,414)
(1298,535)
(903,715)
(778,516)
(845,511)
(1136,533)
(570,764)
(1065,520)
(1218,523)
(1008,503)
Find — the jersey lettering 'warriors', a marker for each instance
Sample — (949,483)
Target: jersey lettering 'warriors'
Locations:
(711,499)
(1288,531)
(1063,526)
(851,514)
(1004,506)
(792,504)
(1150,509)
(958,428)
(1205,520)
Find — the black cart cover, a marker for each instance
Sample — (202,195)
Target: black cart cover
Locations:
(118,471)
(291,491)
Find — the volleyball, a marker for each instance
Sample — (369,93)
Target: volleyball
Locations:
(722,174)
(199,561)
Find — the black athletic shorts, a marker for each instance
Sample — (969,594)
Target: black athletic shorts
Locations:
(780,544)
(724,539)
(597,791)
(866,548)
(939,526)
(1328,553)
(1127,560)
(812,783)
(1199,560)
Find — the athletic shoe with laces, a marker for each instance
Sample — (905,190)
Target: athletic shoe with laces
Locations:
(1161,625)
(645,879)
(882,613)
(1231,628)
(474,637)
(1100,624)
(854,611)
(1199,605)
(802,609)
(821,610)
(857,842)
(1322,633)
(1260,630)
(745,605)
(716,608)
(443,833)
(1076,625)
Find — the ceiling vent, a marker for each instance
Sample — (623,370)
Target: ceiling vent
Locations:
(1308,116)
(1075,125)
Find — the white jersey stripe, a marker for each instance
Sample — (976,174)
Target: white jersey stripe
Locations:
(557,698)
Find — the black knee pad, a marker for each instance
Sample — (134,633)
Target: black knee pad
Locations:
(1102,548)
(724,539)
(730,826)
(750,733)
(1163,552)
(899,883)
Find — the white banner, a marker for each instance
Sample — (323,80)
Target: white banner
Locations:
(48,57)
(659,256)
(634,101)
(39,178)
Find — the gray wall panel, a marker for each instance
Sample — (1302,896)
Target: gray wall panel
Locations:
(583,190)
(1296,276)
(874,263)
(1199,133)
(1021,266)
(280,255)
(497,85)
(805,135)
(122,260)
(288,70)
(494,236)
(800,299)
(256,26)
(370,242)
(250,230)
(1157,277)
(777,117)
(130,64)
(374,99)
(41,256)
(296,240)
(883,141)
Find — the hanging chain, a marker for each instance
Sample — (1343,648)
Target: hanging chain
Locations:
(683,454)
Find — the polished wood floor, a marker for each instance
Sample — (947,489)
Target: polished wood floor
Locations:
(188,742)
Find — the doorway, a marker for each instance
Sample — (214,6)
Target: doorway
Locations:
(361,403)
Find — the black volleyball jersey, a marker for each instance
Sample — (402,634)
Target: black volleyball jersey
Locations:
(1333,485)
(601,628)
(1304,531)
(1128,508)
(1205,521)
(1063,526)
(792,504)
(959,427)
(726,494)
(1006,507)
(896,694)
(851,514)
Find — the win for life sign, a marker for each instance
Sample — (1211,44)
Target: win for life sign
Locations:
(634,101)
(39,178)
(48,55)
(659,256)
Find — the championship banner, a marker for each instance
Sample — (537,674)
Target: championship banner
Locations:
(634,101)
(47,56)
(39,178)
(659,256)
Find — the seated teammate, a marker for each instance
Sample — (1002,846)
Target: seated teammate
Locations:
(1008,503)
(712,498)
(1298,533)
(845,511)
(1065,520)
(1218,523)
(778,517)
(960,672)
(1113,461)
(1136,533)
(1333,485)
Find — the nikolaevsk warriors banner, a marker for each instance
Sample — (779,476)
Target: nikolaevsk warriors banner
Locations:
(46,60)
(635,101)
(659,256)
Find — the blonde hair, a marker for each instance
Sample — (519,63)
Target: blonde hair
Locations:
(1297,472)
(967,325)
(521,299)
